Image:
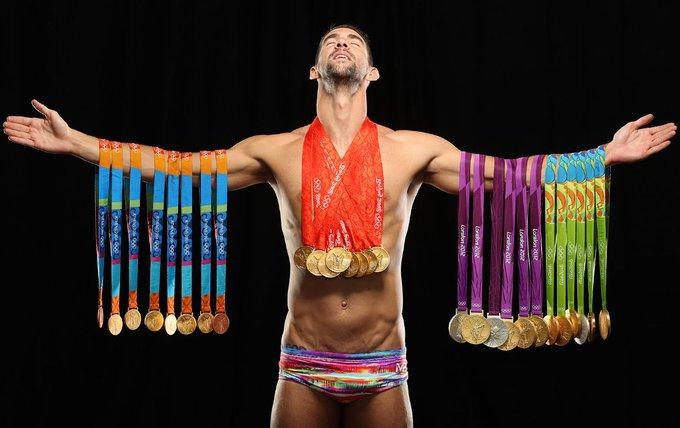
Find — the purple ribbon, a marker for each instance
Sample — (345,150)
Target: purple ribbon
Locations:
(463,222)
(535,209)
(497,197)
(477,233)
(508,239)
(523,241)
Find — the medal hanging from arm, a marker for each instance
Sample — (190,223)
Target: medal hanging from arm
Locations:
(508,260)
(171,245)
(205,319)
(579,161)
(156,194)
(463,221)
(133,318)
(572,314)
(590,241)
(186,323)
(115,323)
(550,249)
(602,180)
(536,254)
(101,195)
(221,320)
(565,328)
(498,330)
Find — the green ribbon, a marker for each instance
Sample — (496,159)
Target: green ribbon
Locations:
(549,197)
(580,230)
(601,214)
(571,230)
(561,247)
(590,227)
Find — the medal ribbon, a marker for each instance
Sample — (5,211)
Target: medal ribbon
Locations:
(580,230)
(102,182)
(601,213)
(508,239)
(477,234)
(187,243)
(155,225)
(206,228)
(535,198)
(497,198)
(522,220)
(220,218)
(133,212)
(173,210)
(342,198)
(562,212)
(463,224)
(550,248)
(116,222)
(590,226)
(571,231)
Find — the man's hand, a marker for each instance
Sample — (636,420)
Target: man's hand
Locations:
(50,134)
(633,143)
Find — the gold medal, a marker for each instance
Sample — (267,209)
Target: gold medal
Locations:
(527,333)
(383,257)
(323,268)
(363,264)
(186,323)
(220,323)
(205,322)
(170,324)
(300,256)
(153,320)
(566,333)
(454,326)
(553,329)
(475,329)
(541,330)
(115,324)
(605,324)
(338,259)
(313,262)
(372,261)
(133,319)
(353,267)
(592,326)
(513,336)
(575,321)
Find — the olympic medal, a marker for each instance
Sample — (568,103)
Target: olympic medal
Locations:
(313,262)
(186,323)
(372,261)
(205,322)
(100,316)
(220,323)
(605,322)
(323,268)
(592,326)
(363,264)
(153,320)
(566,333)
(575,320)
(133,319)
(498,334)
(383,257)
(585,331)
(353,267)
(541,330)
(454,326)
(171,324)
(115,324)
(513,336)
(300,256)
(338,259)
(527,333)
(553,329)
(475,329)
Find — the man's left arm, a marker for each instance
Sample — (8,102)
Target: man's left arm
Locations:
(633,142)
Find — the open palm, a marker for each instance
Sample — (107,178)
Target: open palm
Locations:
(49,134)
(633,143)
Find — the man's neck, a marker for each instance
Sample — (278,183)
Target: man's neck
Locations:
(341,114)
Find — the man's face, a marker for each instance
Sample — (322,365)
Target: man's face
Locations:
(342,60)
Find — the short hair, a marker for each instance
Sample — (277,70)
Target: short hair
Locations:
(358,30)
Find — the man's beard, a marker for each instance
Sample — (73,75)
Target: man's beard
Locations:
(334,78)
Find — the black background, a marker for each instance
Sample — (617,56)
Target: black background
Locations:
(501,78)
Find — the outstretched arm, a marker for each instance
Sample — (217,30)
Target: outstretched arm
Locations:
(52,134)
(631,143)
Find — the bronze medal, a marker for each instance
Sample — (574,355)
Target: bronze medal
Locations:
(323,268)
(513,336)
(553,329)
(372,261)
(300,256)
(363,264)
(205,322)
(454,326)
(100,316)
(153,320)
(605,324)
(353,267)
(186,323)
(115,324)
(475,329)
(383,257)
(313,262)
(338,259)
(541,330)
(133,319)
(566,333)
(170,324)
(527,333)
(220,323)
(592,326)
(575,321)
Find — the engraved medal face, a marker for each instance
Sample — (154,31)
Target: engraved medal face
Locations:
(513,337)
(499,332)
(300,256)
(170,324)
(372,261)
(605,324)
(220,323)
(575,320)
(186,324)
(454,327)
(592,326)
(475,329)
(541,330)
(353,267)
(133,319)
(363,264)
(553,329)
(566,333)
(527,333)
(585,331)
(323,268)
(313,262)
(338,259)
(153,320)
(383,258)
(115,324)
(205,322)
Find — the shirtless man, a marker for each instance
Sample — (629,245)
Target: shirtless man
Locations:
(338,315)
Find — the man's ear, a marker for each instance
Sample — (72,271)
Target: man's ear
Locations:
(313,73)
(373,74)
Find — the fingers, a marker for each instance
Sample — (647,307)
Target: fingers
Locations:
(40,107)
(658,147)
(662,136)
(665,126)
(19,119)
(644,120)
(15,133)
(16,126)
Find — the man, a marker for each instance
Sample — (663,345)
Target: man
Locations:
(336,326)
